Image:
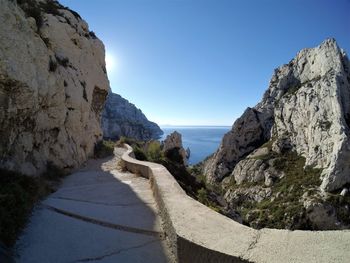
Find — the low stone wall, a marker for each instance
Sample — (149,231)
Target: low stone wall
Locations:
(196,233)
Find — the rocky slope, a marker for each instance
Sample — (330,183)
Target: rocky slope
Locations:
(53,86)
(122,118)
(286,161)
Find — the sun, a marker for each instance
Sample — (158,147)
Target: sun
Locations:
(111,63)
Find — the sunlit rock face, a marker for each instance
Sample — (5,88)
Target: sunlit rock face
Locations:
(53,86)
(173,145)
(122,118)
(305,109)
(286,162)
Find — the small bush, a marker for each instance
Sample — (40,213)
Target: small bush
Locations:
(130,141)
(18,195)
(36,14)
(154,151)
(139,153)
(104,149)
(285,210)
(52,65)
(174,155)
(203,197)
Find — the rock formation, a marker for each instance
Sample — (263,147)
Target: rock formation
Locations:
(53,85)
(297,138)
(173,142)
(122,118)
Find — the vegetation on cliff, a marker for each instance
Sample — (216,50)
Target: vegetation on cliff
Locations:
(172,159)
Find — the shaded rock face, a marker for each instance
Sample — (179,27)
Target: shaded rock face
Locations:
(122,118)
(286,162)
(305,109)
(172,145)
(249,131)
(53,86)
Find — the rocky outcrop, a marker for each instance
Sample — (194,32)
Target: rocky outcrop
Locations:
(53,86)
(306,108)
(249,131)
(122,118)
(173,145)
(293,145)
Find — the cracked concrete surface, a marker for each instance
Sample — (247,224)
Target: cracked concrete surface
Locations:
(99,214)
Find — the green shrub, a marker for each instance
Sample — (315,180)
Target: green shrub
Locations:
(139,153)
(104,149)
(18,195)
(174,155)
(32,11)
(285,210)
(202,196)
(154,151)
(126,140)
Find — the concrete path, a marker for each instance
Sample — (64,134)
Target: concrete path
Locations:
(99,214)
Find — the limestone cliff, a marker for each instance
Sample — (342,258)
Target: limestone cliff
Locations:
(122,118)
(296,138)
(172,145)
(53,86)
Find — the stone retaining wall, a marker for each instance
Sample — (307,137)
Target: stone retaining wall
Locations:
(196,233)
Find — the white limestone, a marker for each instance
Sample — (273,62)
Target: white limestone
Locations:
(52,89)
(306,108)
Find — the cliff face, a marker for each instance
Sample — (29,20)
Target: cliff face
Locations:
(306,108)
(297,137)
(53,86)
(122,118)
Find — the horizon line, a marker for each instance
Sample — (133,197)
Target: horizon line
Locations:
(195,125)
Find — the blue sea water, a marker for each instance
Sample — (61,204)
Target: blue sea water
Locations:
(202,140)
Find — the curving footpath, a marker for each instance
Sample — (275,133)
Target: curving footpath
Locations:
(198,234)
(99,214)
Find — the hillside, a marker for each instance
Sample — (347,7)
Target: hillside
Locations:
(122,118)
(285,163)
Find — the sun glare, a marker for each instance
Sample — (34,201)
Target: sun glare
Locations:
(110,63)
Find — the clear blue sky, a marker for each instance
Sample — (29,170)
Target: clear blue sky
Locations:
(202,62)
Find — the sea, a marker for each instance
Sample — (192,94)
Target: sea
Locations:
(201,140)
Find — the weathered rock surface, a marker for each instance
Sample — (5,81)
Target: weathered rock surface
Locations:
(53,86)
(249,131)
(293,145)
(122,118)
(173,142)
(306,109)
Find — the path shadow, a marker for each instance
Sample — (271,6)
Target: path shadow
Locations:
(99,213)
